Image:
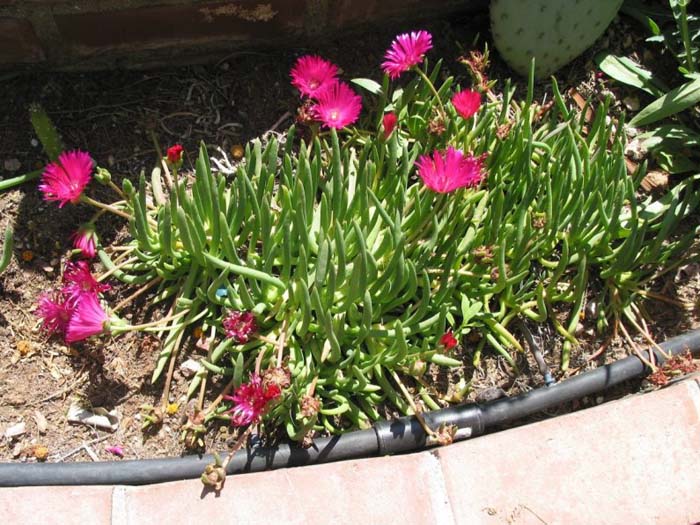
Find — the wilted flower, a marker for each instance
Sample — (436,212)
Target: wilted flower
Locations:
(115,450)
(79,280)
(447,172)
(312,74)
(466,102)
(250,400)
(389,123)
(448,340)
(239,326)
(406,51)
(337,106)
(55,312)
(64,181)
(85,239)
(88,319)
(174,154)
(279,376)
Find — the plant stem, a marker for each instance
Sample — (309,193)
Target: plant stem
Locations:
(130,328)
(432,88)
(20,179)
(106,207)
(134,295)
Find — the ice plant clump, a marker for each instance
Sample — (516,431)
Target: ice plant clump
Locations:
(389,123)
(312,74)
(85,240)
(55,311)
(251,399)
(78,281)
(447,172)
(88,319)
(337,106)
(65,180)
(466,102)
(406,51)
(239,326)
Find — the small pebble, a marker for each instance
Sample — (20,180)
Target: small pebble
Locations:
(599,400)
(12,164)
(34,142)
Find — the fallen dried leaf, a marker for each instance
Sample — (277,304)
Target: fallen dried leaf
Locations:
(41,423)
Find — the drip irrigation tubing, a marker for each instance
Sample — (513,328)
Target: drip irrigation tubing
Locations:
(385,437)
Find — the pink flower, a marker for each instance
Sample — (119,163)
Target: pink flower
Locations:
(448,340)
(466,102)
(312,74)
(447,172)
(88,319)
(389,123)
(55,311)
(406,51)
(115,450)
(337,106)
(174,154)
(250,400)
(65,180)
(85,239)
(239,326)
(78,281)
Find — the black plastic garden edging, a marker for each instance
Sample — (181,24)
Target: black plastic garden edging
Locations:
(385,437)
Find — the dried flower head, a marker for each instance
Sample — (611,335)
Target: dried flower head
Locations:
(313,74)
(466,102)
(448,171)
(279,376)
(406,51)
(250,400)
(64,181)
(88,319)
(115,450)
(239,326)
(337,106)
(389,123)
(85,240)
(309,406)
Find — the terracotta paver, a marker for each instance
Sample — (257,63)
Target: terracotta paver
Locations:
(633,461)
(405,489)
(56,505)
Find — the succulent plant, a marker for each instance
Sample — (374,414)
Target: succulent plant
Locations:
(554,32)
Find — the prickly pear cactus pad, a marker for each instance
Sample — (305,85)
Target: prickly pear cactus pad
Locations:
(553,31)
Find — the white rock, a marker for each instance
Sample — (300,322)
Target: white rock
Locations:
(190,368)
(15,430)
(97,417)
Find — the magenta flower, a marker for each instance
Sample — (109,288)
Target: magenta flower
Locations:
(250,400)
(64,181)
(337,106)
(389,123)
(312,74)
(78,281)
(406,51)
(85,240)
(448,340)
(447,172)
(88,319)
(466,102)
(55,311)
(239,326)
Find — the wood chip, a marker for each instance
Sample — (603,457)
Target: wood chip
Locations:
(15,430)
(655,180)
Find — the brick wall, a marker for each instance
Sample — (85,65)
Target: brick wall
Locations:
(94,34)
